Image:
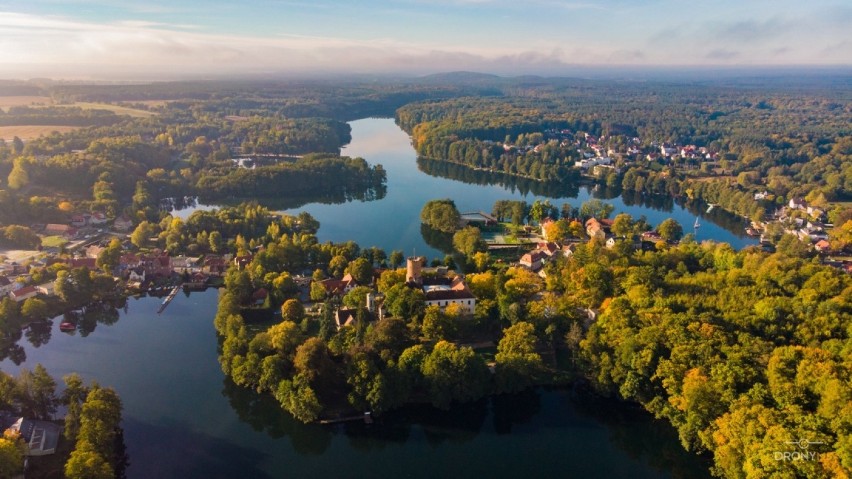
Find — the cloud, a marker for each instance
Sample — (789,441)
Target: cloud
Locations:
(721,54)
(626,56)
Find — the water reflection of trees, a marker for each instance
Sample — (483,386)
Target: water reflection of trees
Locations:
(630,429)
(438,240)
(374,193)
(641,437)
(263,413)
(524,186)
(39,333)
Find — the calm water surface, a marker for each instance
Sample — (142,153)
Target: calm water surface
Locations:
(183,419)
(393,222)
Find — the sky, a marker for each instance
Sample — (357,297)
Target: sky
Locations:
(156,39)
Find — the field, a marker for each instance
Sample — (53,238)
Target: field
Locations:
(29,132)
(118,110)
(7,102)
(53,241)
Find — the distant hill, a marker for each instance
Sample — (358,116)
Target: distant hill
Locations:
(461,77)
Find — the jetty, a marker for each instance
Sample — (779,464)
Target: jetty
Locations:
(169,299)
(367,417)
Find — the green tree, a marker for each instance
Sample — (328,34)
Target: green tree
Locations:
(357,297)
(468,241)
(285,337)
(19,176)
(34,309)
(441,215)
(12,449)
(518,363)
(396,258)
(36,393)
(454,374)
(670,230)
(140,235)
(85,463)
(437,325)
(292,310)
(595,208)
(623,225)
(405,302)
(318,292)
(73,396)
(215,242)
(110,256)
(361,270)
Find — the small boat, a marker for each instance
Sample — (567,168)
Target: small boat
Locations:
(67,326)
(697,224)
(752,232)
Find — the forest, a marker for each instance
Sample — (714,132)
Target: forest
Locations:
(742,352)
(739,351)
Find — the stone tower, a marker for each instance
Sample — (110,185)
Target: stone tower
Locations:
(413,267)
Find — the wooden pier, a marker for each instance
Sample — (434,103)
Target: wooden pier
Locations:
(169,299)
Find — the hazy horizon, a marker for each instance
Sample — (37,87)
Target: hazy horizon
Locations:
(105,39)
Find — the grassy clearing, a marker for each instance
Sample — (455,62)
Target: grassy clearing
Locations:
(118,110)
(7,102)
(53,241)
(31,132)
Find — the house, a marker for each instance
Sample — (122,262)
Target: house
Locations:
(47,289)
(339,286)
(90,263)
(214,265)
(456,292)
(569,249)
(54,229)
(136,275)
(479,217)
(344,317)
(122,224)
(94,251)
(98,218)
(549,248)
(156,265)
(532,260)
(78,221)
(6,286)
(188,264)
(797,204)
(596,228)
(41,437)
(242,261)
(24,293)
(197,281)
(376,305)
(651,236)
(259,296)
(634,242)
(822,246)
(815,212)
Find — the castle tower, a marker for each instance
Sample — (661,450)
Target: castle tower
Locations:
(413,267)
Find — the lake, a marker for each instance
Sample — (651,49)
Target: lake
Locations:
(393,222)
(184,419)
